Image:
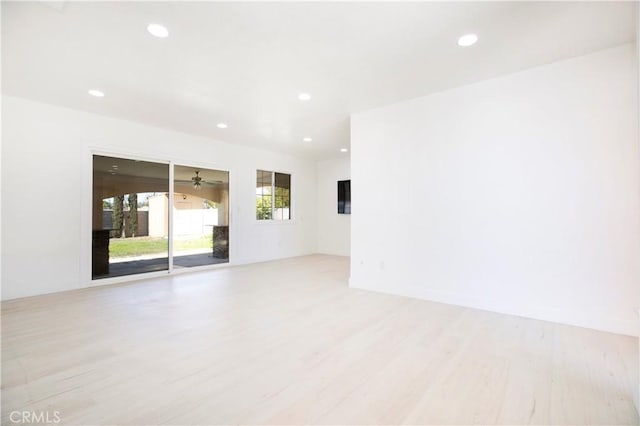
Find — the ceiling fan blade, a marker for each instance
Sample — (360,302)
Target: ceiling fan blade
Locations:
(202,182)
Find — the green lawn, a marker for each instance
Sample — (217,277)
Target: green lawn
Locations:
(125,247)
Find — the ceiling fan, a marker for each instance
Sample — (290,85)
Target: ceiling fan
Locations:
(198,182)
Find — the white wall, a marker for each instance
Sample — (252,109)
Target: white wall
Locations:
(46,191)
(518,194)
(334,230)
(637,396)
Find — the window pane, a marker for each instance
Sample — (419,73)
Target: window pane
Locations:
(263,195)
(130,217)
(283,196)
(273,195)
(263,207)
(264,179)
(200,217)
(283,180)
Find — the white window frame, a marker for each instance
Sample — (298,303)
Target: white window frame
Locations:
(273,197)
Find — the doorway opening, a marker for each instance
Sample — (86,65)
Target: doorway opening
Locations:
(137,229)
(200,217)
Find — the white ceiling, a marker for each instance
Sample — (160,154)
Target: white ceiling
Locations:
(245,63)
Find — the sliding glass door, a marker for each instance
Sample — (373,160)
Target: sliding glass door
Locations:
(200,217)
(132,212)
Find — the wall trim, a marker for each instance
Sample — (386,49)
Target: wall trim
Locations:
(595,321)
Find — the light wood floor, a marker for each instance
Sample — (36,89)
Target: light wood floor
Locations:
(288,342)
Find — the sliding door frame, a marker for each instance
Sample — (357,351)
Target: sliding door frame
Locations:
(87,218)
(200,165)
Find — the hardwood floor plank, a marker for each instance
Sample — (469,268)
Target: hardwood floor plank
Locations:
(287,342)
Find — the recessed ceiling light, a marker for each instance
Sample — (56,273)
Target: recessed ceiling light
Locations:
(467,40)
(344,150)
(304,96)
(222,125)
(158,30)
(97,93)
(307,139)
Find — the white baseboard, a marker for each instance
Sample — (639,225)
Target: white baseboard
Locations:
(592,320)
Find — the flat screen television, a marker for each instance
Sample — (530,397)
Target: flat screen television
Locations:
(344,197)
